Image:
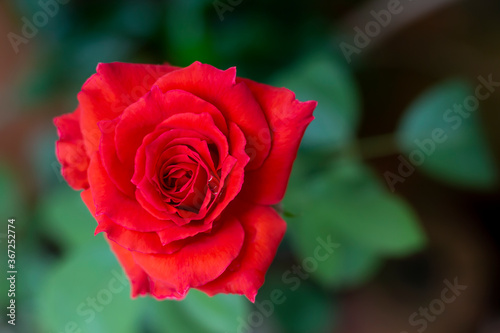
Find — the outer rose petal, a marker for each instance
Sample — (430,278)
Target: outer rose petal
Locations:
(233,99)
(119,173)
(145,242)
(197,263)
(70,150)
(163,290)
(264,229)
(288,119)
(108,92)
(139,280)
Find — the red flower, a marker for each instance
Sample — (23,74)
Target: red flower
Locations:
(180,166)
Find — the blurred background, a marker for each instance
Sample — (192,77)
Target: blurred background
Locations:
(399,170)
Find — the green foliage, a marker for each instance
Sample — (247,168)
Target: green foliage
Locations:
(88,290)
(349,205)
(300,308)
(187,33)
(65,219)
(323,78)
(197,313)
(460,156)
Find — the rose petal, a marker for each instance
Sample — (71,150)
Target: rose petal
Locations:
(162,290)
(170,134)
(108,92)
(173,232)
(70,150)
(201,124)
(139,280)
(231,179)
(142,117)
(198,262)
(234,100)
(288,119)
(147,161)
(111,202)
(264,230)
(129,214)
(119,173)
(145,242)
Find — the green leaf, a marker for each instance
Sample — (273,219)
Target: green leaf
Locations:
(65,218)
(460,154)
(366,213)
(187,34)
(300,307)
(351,207)
(137,19)
(323,78)
(198,313)
(348,266)
(88,291)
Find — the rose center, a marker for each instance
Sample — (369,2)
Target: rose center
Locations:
(175,179)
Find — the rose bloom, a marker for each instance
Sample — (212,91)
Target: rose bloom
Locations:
(180,167)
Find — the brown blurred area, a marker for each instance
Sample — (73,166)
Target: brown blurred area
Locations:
(20,123)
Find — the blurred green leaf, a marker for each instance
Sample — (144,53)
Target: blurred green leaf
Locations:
(348,266)
(38,86)
(93,48)
(187,32)
(41,153)
(349,205)
(363,211)
(301,308)
(325,79)
(198,313)
(461,155)
(88,291)
(137,18)
(65,218)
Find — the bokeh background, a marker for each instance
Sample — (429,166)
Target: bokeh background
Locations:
(408,209)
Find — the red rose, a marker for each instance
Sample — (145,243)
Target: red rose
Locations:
(180,167)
